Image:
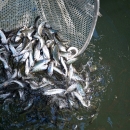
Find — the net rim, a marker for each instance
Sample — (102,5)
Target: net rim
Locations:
(96,12)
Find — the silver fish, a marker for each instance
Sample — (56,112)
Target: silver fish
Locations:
(5,64)
(80,98)
(86,85)
(60,45)
(19,47)
(40,28)
(36,53)
(29,104)
(46,52)
(70,72)
(28,32)
(70,61)
(20,83)
(19,34)
(73,52)
(27,67)
(21,94)
(64,65)
(4,40)
(40,65)
(76,77)
(71,88)
(58,70)
(14,74)
(56,53)
(50,68)
(49,43)
(39,86)
(3,37)
(80,90)
(53,91)
(64,54)
(4,96)
(41,40)
(25,56)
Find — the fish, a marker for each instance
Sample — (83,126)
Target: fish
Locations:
(64,65)
(80,98)
(31,59)
(29,104)
(80,90)
(56,54)
(40,28)
(73,52)
(46,52)
(3,37)
(21,94)
(28,32)
(76,77)
(64,54)
(49,43)
(27,67)
(50,68)
(25,56)
(41,41)
(60,45)
(14,75)
(40,65)
(71,88)
(70,72)
(58,70)
(53,91)
(4,96)
(72,60)
(36,53)
(5,64)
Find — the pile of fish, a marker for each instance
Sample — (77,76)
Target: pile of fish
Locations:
(32,58)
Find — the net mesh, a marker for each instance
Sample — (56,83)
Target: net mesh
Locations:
(76,19)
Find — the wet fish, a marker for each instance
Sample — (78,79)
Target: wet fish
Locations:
(73,51)
(50,68)
(64,65)
(3,37)
(46,52)
(5,64)
(71,88)
(72,60)
(53,91)
(4,96)
(80,90)
(70,72)
(41,41)
(76,77)
(49,43)
(40,28)
(27,67)
(60,45)
(40,65)
(29,104)
(80,98)
(56,54)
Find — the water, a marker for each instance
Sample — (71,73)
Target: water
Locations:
(111,53)
(114,27)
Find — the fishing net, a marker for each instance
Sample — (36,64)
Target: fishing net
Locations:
(76,19)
